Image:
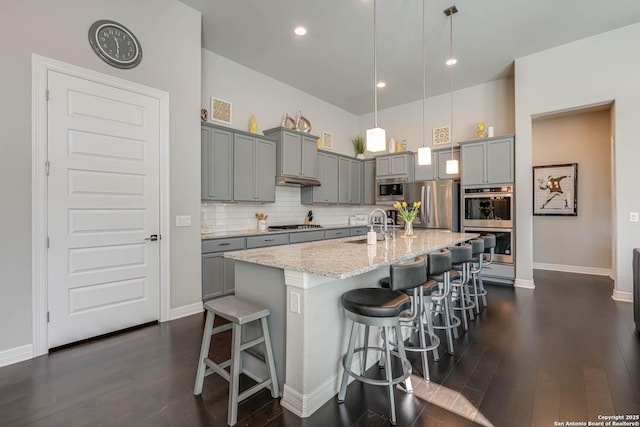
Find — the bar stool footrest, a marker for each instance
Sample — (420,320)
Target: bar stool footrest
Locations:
(406,368)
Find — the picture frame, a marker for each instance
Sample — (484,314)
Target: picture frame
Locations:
(221,110)
(327,141)
(442,135)
(555,190)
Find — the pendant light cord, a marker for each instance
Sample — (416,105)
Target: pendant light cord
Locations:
(451,78)
(424,76)
(375,68)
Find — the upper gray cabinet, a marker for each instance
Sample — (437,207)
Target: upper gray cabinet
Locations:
(438,167)
(349,181)
(327,192)
(487,161)
(296,153)
(254,170)
(369,182)
(395,165)
(216,164)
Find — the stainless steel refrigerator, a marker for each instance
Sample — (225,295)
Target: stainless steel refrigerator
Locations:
(440,204)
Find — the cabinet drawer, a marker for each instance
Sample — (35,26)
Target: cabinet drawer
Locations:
(505,271)
(337,233)
(306,236)
(268,240)
(359,231)
(222,245)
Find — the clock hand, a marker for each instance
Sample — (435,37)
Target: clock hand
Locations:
(117,46)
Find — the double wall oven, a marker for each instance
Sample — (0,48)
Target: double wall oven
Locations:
(489,210)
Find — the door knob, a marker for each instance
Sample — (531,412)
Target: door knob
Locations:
(152,238)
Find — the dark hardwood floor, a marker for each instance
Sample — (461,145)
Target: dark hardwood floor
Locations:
(564,352)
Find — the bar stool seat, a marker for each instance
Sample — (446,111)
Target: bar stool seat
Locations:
(239,312)
(376,302)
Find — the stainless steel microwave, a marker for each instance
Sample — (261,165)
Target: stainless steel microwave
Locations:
(390,190)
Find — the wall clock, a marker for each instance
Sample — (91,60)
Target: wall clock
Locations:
(115,44)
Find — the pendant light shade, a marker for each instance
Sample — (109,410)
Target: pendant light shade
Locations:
(376,137)
(424,153)
(452,164)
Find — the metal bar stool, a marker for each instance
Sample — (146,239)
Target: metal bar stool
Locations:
(477,247)
(461,258)
(382,308)
(238,312)
(440,271)
(417,318)
(489,249)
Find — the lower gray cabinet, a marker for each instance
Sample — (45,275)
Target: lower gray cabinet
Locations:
(306,236)
(218,275)
(359,231)
(267,240)
(337,233)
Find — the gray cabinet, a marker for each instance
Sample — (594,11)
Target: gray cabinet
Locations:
(296,153)
(395,165)
(337,233)
(438,167)
(488,161)
(306,236)
(349,181)
(254,170)
(216,164)
(327,192)
(267,240)
(369,182)
(218,273)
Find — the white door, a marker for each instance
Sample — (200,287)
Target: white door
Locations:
(103,203)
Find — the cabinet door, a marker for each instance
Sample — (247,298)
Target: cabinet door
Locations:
(369,182)
(399,165)
(443,156)
(291,154)
(265,170)
(309,157)
(499,161)
(205,172)
(229,276)
(472,164)
(427,172)
(243,170)
(344,176)
(355,184)
(331,178)
(320,193)
(383,166)
(212,275)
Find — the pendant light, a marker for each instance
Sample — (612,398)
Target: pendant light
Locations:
(376,137)
(424,153)
(452,164)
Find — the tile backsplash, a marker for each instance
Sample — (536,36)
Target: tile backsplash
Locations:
(224,217)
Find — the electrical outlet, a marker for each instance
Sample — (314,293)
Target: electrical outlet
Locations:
(634,217)
(294,302)
(183,220)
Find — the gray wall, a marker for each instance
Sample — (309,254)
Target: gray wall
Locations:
(583,240)
(169,32)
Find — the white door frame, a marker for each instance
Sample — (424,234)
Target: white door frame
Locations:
(40,66)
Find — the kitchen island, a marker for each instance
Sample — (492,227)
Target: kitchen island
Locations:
(302,285)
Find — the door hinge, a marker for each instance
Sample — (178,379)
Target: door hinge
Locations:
(47,94)
(47,166)
(48,317)
(47,242)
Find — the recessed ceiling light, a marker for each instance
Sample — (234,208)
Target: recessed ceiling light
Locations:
(381,84)
(452,61)
(300,31)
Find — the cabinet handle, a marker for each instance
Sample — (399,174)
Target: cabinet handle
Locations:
(338,233)
(269,240)
(224,244)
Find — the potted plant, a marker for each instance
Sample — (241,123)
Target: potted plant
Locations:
(359,146)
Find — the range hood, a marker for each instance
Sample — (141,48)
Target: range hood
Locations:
(297,181)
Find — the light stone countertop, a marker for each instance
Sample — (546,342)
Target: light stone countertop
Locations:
(256,232)
(340,259)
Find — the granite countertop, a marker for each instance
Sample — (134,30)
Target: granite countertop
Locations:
(341,259)
(255,231)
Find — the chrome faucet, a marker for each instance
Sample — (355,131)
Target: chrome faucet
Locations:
(384,230)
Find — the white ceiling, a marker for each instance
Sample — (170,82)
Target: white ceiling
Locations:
(334,61)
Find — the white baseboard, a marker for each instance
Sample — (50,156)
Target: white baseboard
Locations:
(573,269)
(524,283)
(622,296)
(307,404)
(15,355)
(185,310)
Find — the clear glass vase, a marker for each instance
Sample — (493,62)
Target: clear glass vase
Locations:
(408,229)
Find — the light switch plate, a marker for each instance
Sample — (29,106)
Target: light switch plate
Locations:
(183,220)
(634,217)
